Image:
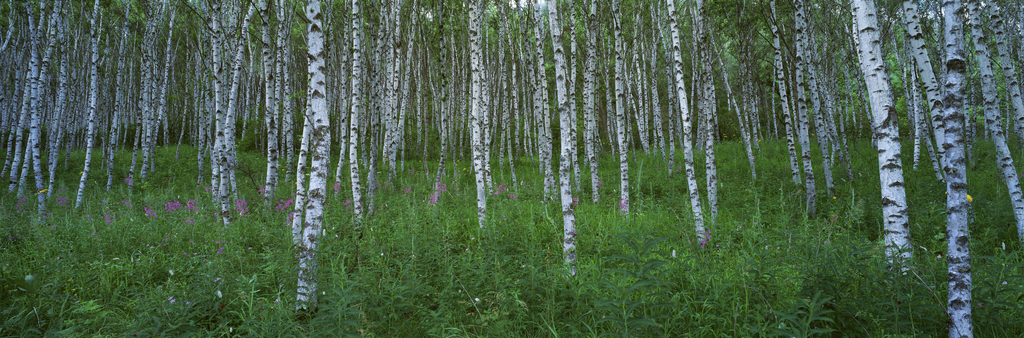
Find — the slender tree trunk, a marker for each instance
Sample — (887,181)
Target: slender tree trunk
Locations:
(270,108)
(476,107)
(357,105)
(568,216)
(620,109)
(886,125)
(319,138)
(691,177)
(1004,161)
(958,258)
(1009,73)
(919,50)
(90,137)
(787,120)
(589,97)
(801,107)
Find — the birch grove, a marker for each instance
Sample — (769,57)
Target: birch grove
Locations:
(456,88)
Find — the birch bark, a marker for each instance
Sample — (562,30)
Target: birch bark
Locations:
(320,139)
(589,96)
(357,105)
(270,107)
(801,109)
(476,108)
(886,124)
(1004,161)
(919,50)
(565,115)
(958,258)
(780,80)
(94,33)
(620,110)
(1009,73)
(691,177)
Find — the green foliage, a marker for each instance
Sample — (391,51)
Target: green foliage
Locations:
(157,262)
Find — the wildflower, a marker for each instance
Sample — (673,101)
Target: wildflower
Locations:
(219,295)
(171,299)
(970,200)
(171,272)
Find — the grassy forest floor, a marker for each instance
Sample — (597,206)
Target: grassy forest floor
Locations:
(156,262)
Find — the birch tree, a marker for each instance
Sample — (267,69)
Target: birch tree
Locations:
(94,33)
(958,258)
(919,50)
(270,107)
(476,109)
(780,80)
(801,108)
(691,175)
(565,119)
(589,96)
(319,140)
(620,110)
(1004,161)
(885,123)
(356,106)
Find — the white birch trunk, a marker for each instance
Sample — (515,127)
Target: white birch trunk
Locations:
(320,139)
(801,107)
(620,110)
(919,50)
(691,177)
(476,108)
(565,115)
(958,258)
(541,106)
(780,80)
(1009,73)
(589,96)
(28,100)
(270,107)
(357,104)
(90,137)
(886,125)
(1004,161)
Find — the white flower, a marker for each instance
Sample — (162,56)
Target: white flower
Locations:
(219,295)
(673,254)
(171,272)
(477,300)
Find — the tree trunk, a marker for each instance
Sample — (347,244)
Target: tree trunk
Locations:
(620,110)
(319,139)
(919,50)
(958,258)
(565,115)
(691,177)
(476,108)
(270,108)
(1004,161)
(885,122)
(801,107)
(94,33)
(589,106)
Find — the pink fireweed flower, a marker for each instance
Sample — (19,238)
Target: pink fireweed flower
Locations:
(241,207)
(150,212)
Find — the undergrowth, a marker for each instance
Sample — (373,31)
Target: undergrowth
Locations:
(155,261)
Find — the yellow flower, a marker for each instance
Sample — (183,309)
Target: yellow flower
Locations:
(833,197)
(81,173)
(969,199)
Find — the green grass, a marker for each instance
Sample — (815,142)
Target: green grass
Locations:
(112,269)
